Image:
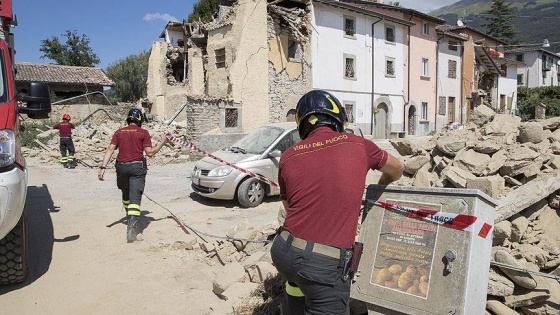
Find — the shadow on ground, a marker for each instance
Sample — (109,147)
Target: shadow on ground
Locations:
(225,203)
(39,207)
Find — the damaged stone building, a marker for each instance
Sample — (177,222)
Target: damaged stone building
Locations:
(217,75)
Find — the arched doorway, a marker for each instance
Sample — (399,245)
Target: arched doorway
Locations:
(381,121)
(411,121)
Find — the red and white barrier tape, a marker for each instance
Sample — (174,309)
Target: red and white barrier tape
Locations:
(192,147)
(461,222)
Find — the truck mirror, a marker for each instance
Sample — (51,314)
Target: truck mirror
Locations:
(38,101)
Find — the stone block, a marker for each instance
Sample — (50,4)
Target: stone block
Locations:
(491,185)
(522,279)
(227,276)
(531,132)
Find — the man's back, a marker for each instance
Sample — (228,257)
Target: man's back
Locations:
(323,180)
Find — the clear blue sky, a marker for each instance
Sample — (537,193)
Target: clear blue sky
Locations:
(116,28)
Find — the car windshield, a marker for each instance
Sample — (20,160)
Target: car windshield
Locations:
(259,140)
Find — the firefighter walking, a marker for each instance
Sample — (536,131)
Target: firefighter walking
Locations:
(132,142)
(322,181)
(66,144)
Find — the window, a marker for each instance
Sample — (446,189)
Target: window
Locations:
(231,117)
(452,69)
(424,111)
(519,57)
(389,33)
(220,57)
(293,50)
(520,80)
(425,67)
(441,105)
(452,45)
(349,67)
(503,70)
(547,63)
(426,28)
(349,108)
(390,67)
(349,26)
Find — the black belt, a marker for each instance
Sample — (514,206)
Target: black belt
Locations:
(132,162)
(322,249)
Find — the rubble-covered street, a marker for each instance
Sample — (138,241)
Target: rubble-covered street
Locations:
(516,163)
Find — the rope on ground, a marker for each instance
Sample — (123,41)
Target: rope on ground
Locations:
(199,233)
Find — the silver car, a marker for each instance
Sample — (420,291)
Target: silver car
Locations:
(258,152)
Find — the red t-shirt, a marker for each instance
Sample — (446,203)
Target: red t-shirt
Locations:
(323,180)
(131,141)
(64,128)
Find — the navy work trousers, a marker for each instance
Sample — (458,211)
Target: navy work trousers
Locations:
(319,277)
(131,180)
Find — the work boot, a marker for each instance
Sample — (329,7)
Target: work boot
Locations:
(72,164)
(65,164)
(131,228)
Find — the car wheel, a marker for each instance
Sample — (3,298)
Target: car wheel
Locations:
(13,255)
(250,193)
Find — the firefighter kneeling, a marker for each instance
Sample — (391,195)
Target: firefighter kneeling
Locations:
(321,189)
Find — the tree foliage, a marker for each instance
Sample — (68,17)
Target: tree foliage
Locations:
(528,98)
(74,52)
(499,22)
(130,76)
(203,10)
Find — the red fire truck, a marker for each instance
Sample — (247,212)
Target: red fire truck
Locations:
(13,170)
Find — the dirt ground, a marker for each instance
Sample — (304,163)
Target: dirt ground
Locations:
(80,262)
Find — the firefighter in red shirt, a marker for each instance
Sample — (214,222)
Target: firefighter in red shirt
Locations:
(322,180)
(132,142)
(66,144)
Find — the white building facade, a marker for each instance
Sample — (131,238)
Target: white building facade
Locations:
(360,65)
(507,86)
(541,67)
(448,110)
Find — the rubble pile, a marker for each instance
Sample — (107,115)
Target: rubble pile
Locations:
(245,267)
(517,163)
(92,137)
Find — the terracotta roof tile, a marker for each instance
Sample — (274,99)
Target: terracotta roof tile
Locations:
(27,72)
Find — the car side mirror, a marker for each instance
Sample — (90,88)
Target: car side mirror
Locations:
(275,153)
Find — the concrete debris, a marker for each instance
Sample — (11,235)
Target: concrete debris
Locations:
(517,163)
(92,137)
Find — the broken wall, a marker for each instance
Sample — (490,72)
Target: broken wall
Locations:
(157,79)
(218,77)
(248,73)
(195,73)
(289,78)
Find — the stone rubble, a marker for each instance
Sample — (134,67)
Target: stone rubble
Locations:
(92,137)
(516,163)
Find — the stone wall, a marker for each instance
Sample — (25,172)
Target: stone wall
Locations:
(202,116)
(285,86)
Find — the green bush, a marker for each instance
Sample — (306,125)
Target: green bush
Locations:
(31,128)
(528,98)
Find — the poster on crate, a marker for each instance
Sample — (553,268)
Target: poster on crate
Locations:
(405,251)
